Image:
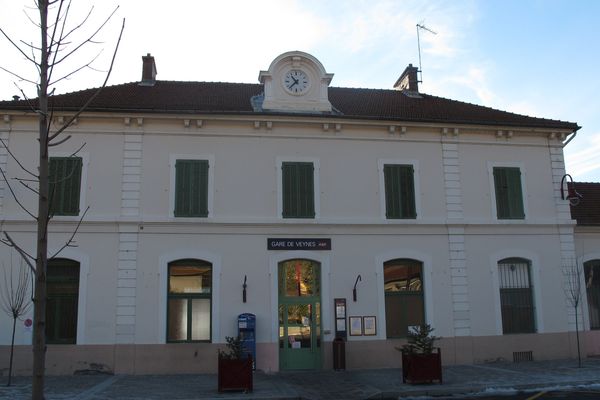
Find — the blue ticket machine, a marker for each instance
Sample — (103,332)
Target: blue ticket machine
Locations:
(247,332)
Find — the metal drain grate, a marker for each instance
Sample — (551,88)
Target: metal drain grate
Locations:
(519,356)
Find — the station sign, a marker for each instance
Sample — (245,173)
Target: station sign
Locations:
(298,244)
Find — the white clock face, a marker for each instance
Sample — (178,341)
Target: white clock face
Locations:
(295,81)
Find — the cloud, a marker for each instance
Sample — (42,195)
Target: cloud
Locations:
(582,158)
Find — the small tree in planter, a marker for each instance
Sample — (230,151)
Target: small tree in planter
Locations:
(235,367)
(421,361)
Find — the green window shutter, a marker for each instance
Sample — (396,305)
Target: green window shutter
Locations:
(65,185)
(509,195)
(399,184)
(298,190)
(191,188)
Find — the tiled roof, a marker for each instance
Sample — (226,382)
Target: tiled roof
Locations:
(235,98)
(587,212)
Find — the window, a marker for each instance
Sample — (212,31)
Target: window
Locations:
(516,297)
(189,301)
(191,188)
(62,301)
(298,190)
(404,305)
(65,185)
(399,191)
(592,286)
(509,194)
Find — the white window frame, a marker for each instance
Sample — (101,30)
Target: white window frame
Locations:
(491,165)
(211,168)
(417,189)
(316,187)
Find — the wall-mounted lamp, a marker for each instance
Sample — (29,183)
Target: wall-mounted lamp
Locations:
(244,286)
(573,195)
(358,278)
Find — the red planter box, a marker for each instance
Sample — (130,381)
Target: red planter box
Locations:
(235,375)
(422,368)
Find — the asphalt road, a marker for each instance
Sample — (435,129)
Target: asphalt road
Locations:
(551,395)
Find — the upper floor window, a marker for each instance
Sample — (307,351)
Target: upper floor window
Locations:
(65,185)
(189,301)
(399,184)
(509,193)
(62,301)
(516,296)
(191,188)
(298,189)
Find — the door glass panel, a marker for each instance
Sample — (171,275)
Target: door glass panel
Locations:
(299,326)
(177,319)
(300,278)
(200,319)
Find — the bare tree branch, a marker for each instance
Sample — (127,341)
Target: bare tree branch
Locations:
(28,258)
(27,186)
(75,70)
(89,37)
(16,159)
(69,243)
(60,141)
(15,196)
(18,76)
(89,101)
(78,150)
(16,46)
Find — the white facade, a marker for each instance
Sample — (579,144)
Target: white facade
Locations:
(130,234)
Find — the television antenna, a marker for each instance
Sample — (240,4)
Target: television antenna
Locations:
(419,27)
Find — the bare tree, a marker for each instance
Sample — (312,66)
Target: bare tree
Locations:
(58,43)
(573,291)
(15,299)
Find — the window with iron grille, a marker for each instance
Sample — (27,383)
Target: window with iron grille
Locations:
(404,305)
(592,286)
(189,301)
(298,190)
(399,191)
(64,176)
(516,296)
(509,193)
(191,188)
(62,301)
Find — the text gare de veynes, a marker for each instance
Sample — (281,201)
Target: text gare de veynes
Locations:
(298,244)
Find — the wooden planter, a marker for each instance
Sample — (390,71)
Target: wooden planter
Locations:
(422,368)
(235,375)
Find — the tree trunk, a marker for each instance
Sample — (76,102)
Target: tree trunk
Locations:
(12,349)
(39,303)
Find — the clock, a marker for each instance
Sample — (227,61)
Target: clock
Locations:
(296,82)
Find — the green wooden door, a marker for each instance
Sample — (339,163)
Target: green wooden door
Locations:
(299,315)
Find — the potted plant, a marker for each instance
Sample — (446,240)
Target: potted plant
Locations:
(235,367)
(421,361)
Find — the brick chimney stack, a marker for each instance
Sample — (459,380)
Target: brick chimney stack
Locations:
(148,71)
(408,80)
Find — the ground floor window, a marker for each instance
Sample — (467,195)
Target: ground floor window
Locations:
(189,301)
(516,296)
(592,285)
(62,301)
(404,305)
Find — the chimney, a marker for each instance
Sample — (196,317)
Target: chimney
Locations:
(148,71)
(408,80)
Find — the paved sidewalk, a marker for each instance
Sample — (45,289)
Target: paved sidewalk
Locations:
(357,384)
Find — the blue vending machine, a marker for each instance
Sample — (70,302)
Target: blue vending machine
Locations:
(247,333)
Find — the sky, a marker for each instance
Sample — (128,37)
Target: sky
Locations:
(532,57)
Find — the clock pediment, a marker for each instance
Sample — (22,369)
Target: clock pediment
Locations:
(296,81)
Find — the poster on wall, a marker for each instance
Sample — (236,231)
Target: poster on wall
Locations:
(355,326)
(370,325)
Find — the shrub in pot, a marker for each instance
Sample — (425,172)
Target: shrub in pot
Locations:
(421,360)
(235,367)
